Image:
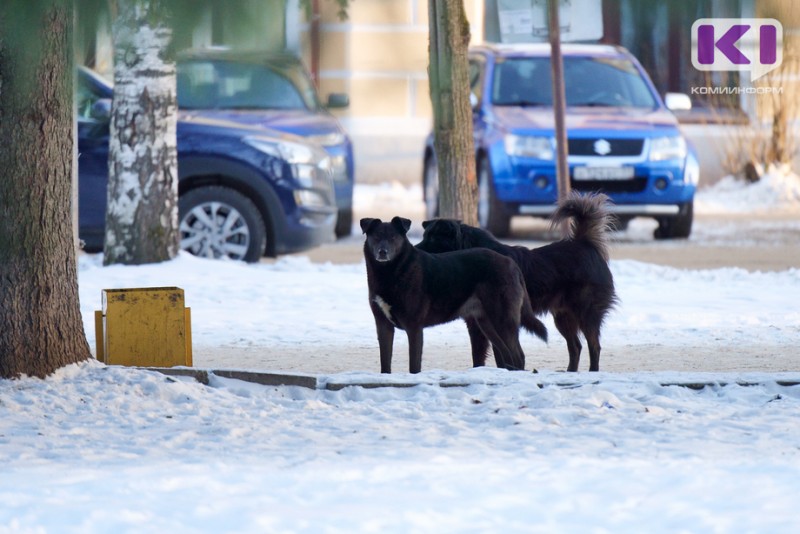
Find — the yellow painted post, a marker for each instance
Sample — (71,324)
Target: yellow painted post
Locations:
(99,329)
(145,327)
(188,318)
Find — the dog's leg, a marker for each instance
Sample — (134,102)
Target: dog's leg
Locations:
(480,345)
(568,327)
(492,306)
(509,332)
(593,341)
(385,342)
(414,349)
(505,356)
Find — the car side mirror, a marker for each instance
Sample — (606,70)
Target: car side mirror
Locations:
(101,110)
(338,100)
(678,101)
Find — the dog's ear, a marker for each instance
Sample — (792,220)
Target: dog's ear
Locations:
(368,223)
(426,224)
(402,225)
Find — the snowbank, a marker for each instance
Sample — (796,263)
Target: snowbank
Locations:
(778,189)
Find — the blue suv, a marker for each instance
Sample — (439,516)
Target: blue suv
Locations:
(244,191)
(622,139)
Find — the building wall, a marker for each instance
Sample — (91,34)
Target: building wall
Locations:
(379,57)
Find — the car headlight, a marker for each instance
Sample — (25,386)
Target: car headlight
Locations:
(663,148)
(289,151)
(528,146)
(331,139)
(310,166)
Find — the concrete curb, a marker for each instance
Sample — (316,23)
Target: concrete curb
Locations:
(205,376)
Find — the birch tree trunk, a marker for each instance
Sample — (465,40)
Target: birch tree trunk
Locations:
(452,112)
(142,213)
(41,328)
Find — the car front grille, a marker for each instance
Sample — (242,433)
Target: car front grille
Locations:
(599,146)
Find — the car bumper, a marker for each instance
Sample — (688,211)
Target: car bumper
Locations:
(631,210)
(306,230)
(656,189)
(344,195)
(343,174)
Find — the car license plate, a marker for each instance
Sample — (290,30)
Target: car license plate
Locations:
(603,173)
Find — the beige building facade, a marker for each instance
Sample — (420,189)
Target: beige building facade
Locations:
(379,57)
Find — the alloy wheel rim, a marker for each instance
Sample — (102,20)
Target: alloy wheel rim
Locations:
(215,230)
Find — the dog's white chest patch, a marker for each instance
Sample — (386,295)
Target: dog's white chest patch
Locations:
(385,307)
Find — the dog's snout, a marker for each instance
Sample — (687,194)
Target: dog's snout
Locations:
(383,254)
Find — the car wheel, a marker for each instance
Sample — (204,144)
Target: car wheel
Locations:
(677,227)
(430,179)
(217,222)
(492,214)
(344,223)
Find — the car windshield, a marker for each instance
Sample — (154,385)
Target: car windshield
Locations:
(227,85)
(588,81)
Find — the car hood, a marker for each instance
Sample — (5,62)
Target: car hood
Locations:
(297,122)
(642,121)
(193,122)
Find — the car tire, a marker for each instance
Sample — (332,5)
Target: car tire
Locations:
(344,223)
(678,226)
(430,184)
(492,213)
(218,222)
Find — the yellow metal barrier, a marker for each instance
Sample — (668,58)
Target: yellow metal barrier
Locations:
(144,327)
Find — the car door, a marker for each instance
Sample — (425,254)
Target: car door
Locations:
(477,65)
(93,138)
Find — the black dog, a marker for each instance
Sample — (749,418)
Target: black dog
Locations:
(569,278)
(411,289)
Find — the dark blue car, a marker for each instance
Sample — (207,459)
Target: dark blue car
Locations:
(244,191)
(622,139)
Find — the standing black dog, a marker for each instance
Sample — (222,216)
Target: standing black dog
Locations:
(411,289)
(569,278)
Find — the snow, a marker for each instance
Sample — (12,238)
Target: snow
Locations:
(778,188)
(97,448)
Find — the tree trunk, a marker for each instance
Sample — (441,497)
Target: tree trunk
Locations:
(452,112)
(142,214)
(41,328)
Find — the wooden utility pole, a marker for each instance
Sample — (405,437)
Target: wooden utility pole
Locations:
(559,100)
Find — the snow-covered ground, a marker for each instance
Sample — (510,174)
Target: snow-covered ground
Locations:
(105,449)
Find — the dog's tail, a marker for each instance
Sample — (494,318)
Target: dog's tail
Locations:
(529,320)
(589,219)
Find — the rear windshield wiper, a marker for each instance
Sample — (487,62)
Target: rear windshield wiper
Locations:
(592,105)
(523,103)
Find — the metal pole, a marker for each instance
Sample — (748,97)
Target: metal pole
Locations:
(559,101)
(315,44)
